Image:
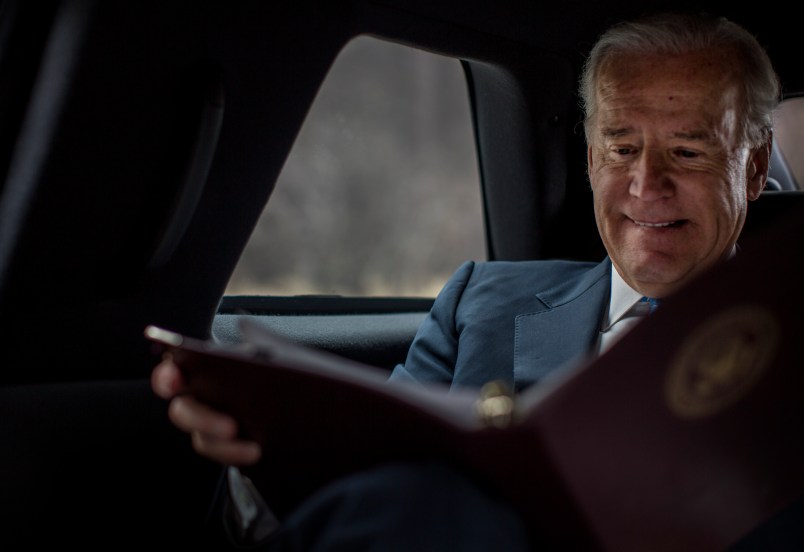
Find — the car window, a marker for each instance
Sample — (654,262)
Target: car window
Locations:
(380,195)
(789,132)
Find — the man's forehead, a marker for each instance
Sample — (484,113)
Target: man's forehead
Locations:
(672,80)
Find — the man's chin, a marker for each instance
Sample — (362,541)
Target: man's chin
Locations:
(657,275)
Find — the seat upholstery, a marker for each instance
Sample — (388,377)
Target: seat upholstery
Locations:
(780,177)
(771,206)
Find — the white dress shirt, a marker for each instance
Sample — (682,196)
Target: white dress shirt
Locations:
(626,309)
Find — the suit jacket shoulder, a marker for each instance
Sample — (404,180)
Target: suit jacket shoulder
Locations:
(508,320)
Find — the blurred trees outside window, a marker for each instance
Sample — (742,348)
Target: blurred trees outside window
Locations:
(380,195)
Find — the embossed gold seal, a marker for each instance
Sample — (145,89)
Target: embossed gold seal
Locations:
(721,360)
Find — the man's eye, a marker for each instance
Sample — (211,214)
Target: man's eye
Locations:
(687,154)
(623,151)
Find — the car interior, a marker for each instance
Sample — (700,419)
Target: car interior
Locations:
(140,143)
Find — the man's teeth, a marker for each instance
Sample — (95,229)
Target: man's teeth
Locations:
(655,224)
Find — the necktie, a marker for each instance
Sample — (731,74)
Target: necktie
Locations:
(652,302)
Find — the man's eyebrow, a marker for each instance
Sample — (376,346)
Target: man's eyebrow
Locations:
(615,132)
(695,135)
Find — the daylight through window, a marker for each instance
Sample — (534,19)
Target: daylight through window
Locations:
(380,194)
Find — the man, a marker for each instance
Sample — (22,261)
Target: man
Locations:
(679,131)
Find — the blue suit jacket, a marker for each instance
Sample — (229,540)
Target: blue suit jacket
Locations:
(511,321)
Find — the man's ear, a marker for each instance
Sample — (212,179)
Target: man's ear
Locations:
(758,167)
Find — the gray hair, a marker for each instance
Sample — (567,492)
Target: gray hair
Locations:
(679,33)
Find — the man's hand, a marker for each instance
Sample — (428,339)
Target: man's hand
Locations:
(214,434)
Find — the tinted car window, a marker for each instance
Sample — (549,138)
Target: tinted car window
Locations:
(789,125)
(380,194)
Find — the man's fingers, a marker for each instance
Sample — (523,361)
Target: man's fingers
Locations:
(166,380)
(214,434)
(190,415)
(228,452)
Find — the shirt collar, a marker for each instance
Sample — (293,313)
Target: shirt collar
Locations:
(623,297)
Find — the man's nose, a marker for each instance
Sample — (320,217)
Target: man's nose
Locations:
(650,177)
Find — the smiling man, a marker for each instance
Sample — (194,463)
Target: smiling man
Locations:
(679,131)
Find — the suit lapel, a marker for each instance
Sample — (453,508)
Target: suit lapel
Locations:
(564,328)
